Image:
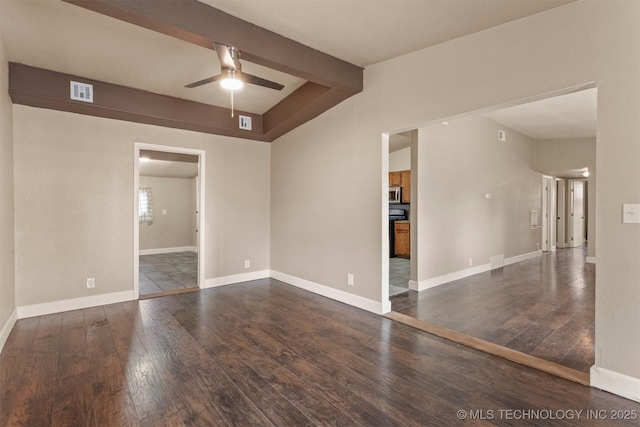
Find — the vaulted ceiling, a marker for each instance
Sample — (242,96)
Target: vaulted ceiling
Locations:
(141,53)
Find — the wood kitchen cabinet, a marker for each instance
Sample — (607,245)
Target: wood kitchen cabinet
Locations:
(402,179)
(402,237)
(406,186)
(395,179)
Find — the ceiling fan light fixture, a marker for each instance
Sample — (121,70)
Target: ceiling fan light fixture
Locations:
(231,82)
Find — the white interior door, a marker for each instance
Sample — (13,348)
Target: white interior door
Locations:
(561,234)
(546,213)
(577,213)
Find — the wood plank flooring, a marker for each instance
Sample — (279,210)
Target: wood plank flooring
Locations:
(544,307)
(262,353)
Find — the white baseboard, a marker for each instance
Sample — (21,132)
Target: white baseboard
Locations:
(461,274)
(236,278)
(616,383)
(591,260)
(335,294)
(523,257)
(8,326)
(167,250)
(73,304)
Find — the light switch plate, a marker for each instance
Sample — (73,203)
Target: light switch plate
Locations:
(631,213)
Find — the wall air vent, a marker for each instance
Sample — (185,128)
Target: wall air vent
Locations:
(81,91)
(496,261)
(245,122)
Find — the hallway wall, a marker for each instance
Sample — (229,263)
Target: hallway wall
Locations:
(463,161)
(564,154)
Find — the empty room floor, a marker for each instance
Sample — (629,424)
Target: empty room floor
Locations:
(544,307)
(264,353)
(168,272)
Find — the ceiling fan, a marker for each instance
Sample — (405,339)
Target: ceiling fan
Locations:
(231,76)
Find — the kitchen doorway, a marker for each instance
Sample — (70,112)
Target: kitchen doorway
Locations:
(168,220)
(399,212)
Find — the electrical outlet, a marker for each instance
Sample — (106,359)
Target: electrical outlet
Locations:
(247,263)
(350,279)
(91,282)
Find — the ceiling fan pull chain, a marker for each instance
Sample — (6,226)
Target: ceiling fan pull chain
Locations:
(231,103)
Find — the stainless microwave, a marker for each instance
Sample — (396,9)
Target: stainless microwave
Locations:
(395,194)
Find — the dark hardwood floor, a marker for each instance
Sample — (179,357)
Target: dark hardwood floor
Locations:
(263,353)
(544,307)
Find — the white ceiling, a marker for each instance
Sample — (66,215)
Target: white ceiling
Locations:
(573,115)
(62,37)
(66,38)
(568,116)
(168,169)
(365,32)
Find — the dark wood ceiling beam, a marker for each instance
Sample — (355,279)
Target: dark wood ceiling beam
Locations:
(329,80)
(37,87)
(201,24)
(303,103)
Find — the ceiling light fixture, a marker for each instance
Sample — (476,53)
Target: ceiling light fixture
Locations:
(586,173)
(231,82)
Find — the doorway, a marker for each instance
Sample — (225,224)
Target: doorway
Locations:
(560,287)
(548,211)
(168,220)
(399,212)
(578,220)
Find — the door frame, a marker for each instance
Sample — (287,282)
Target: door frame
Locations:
(561,213)
(200,206)
(548,211)
(572,237)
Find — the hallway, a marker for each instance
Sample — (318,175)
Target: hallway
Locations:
(544,307)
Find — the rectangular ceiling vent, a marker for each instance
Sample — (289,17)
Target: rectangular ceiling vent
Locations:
(81,91)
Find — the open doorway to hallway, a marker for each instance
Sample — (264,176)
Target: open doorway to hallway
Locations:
(483,235)
(169,222)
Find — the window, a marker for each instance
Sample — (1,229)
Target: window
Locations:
(145,210)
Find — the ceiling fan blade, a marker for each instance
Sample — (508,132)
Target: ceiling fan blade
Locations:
(259,81)
(205,81)
(224,55)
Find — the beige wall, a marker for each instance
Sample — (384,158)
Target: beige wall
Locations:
(75,197)
(336,161)
(554,155)
(7,289)
(175,229)
(400,160)
(463,162)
